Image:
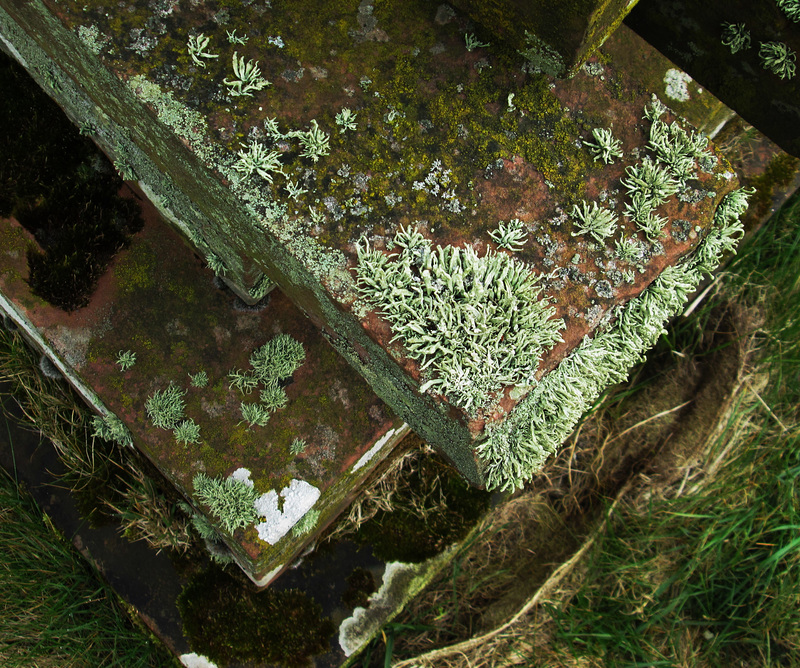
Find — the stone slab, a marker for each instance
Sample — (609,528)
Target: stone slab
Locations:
(158,301)
(692,33)
(556,36)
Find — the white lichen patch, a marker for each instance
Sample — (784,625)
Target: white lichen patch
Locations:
(196,661)
(242,475)
(298,498)
(185,122)
(357,629)
(676,85)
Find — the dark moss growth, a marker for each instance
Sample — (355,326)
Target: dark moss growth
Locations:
(360,584)
(62,190)
(778,174)
(226,620)
(432,508)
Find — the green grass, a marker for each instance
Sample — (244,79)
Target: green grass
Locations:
(712,578)
(54,611)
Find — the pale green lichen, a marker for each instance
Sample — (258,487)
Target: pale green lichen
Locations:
(216,264)
(628,250)
(199,379)
(125,359)
(187,123)
(346,120)
(519,446)
(270,364)
(188,431)
(273,397)
(233,38)
(261,288)
(475,323)
(256,159)
(298,446)
(594,220)
(676,148)
(248,78)
(110,428)
(778,58)
(91,36)
(315,142)
(541,56)
(232,501)
(511,235)
(197,49)
(165,408)
(244,381)
(735,36)
(604,147)
(472,42)
(255,415)
(294,189)
(791,8)
(306,524)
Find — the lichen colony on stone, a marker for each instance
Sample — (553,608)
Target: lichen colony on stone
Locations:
(475,323)
(519,446)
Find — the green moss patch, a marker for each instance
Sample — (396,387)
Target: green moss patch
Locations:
(226,620)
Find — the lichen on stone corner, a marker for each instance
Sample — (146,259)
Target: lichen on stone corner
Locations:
(475,323)
(297,500)
(187,123)
(518,447)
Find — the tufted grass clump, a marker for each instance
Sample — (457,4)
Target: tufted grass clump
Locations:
(475,323)
(712,567)
(57,611)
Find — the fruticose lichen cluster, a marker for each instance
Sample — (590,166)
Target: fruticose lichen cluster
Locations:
(270,364)
(775,56)
(518,447)
(475,323)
